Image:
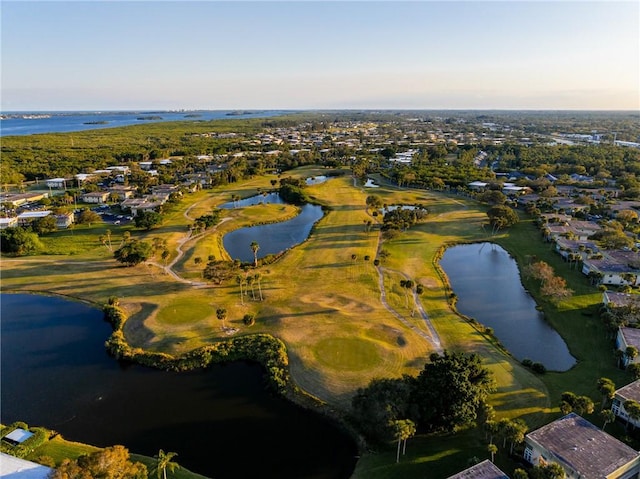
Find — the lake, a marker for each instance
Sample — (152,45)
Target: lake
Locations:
(273,238)
(487,283)
(29,123)
(221,421)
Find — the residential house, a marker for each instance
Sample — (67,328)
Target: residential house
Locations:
(56,183)
(121,191)
(614,299)
(19,199)
(614,267)
(99,197)
(64,220)
(630,392)
(8,223)
(583,450)
(628,337)
(24,219)
(483,470)
(140,204)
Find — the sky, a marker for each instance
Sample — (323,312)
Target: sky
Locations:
(119,55)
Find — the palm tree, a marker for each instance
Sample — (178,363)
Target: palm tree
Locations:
(607,388)
(608,415)
(258,277)
(255,247)
(403,430)
(633,409)
(163,461)
(492,449)
(221,314)
(630,354)
(240,281)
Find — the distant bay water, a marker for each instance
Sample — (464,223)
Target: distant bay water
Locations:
(31,123)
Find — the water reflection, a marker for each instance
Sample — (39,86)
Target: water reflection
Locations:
(487,283)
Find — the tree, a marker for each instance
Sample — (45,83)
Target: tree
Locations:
(551,470)
(492,449)
(384,401)
(630,353)
(450,389)
(258,279)
(164,461)
(19,241)
(221,314)
(607,388)
(501,216)
(633,410)
(403,430)
(608,416)
(147,219)
(88,217)
(520,474)
(374,202)
(255,247)
(133,252)
(45,225)
(109,463)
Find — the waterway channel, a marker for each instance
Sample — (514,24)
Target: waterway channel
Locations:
(486,281)
(273,238)
(221,421)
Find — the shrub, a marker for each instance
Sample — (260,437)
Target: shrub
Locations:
(249,319)
(527,363)
(538,368)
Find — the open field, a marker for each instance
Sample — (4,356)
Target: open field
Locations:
(325,305)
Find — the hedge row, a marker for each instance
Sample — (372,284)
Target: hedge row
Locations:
(40,436)
(262,348)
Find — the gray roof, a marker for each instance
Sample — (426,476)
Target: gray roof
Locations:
(583,447)
(631,337)
(484,470)
(630,391)
(19,468)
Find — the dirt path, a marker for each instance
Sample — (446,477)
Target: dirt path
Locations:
(432,336)
(168,269)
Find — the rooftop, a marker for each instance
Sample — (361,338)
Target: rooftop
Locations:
(630,391)
(484,470)
(583,447)
(14,467)
(631,337)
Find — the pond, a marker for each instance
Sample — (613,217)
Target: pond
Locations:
(264,198)
(273,238)
(487,283)
(221,421)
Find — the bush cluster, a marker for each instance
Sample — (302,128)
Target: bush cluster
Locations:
(40,436)
(261,348)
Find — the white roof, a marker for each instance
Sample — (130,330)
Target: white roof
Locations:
(33,214)
(14,467)
(19,435)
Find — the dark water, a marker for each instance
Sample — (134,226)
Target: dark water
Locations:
(272,238)
(266,198)
(487,282)
(19,123)
(221,421)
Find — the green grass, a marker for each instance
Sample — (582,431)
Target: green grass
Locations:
(59,449)
(347,354)
(182,310)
